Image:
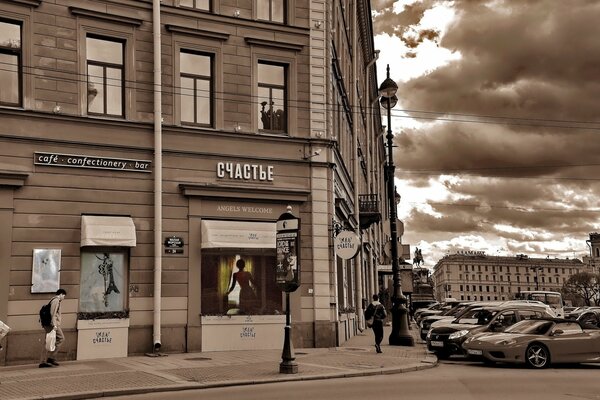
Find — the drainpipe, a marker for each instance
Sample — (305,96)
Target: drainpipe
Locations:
(358,267)
(371,283)
(157,175)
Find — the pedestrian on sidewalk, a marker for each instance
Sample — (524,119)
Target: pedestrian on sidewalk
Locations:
(48,358)
(376,310)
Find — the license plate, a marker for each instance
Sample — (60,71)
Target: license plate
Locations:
(436,343)
(474,352)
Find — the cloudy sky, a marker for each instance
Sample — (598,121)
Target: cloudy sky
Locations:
(498,123)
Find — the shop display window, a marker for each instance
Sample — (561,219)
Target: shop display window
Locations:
(103,281)
(236,282)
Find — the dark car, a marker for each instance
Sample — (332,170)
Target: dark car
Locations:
(590,319)
(447,339)
(450,315)
(537,343)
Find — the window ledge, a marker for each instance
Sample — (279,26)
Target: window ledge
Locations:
(273,44)
(32,3)
(82,12)
(197,32)
(12,178)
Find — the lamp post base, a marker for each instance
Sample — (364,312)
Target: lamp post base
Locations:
(288,364)
(400,335)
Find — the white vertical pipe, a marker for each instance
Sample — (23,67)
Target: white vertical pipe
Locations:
(358,276)
(157,174)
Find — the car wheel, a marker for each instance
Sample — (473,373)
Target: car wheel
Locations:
(537,356)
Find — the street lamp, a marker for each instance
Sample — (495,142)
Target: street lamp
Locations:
(400,335)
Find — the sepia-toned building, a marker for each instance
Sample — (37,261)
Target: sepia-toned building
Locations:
(473,275)
(147,146)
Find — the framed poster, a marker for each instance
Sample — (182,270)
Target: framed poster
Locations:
(45,272)
(103,284)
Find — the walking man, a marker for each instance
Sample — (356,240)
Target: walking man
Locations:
(48,358)
(376,311)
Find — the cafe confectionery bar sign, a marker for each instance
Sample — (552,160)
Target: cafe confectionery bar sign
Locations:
(83,161)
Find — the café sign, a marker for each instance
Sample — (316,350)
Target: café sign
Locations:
(245,172)
(346,245)
(94,162)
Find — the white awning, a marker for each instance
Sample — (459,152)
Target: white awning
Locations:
(247,235)
(107,231)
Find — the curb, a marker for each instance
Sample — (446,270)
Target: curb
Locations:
(427,363)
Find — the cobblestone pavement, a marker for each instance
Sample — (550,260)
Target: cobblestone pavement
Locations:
(131,375)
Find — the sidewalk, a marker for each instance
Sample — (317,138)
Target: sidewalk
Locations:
(133,375)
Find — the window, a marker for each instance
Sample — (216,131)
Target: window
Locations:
(105,67)
(196,88)
(254,291)
(271,10)
(461,288)
(104,283)
(272,98)
(10,63)
(198,4)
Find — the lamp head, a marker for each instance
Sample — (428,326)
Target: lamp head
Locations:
(388,88)
(384,101)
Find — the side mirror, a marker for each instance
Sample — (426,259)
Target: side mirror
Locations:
(557,332)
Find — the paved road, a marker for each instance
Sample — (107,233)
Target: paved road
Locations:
(449,380)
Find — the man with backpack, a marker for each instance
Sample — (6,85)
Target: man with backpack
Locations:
(50,318)
(376,312)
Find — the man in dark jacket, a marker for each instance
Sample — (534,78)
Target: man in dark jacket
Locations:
(48,358)
(376,310)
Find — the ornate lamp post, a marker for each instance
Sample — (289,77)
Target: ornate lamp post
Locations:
(287,276)
(400,335)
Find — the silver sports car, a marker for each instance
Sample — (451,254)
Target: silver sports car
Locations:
(537,343)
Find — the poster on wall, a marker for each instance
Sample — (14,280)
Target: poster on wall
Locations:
(102,286)
(45,271)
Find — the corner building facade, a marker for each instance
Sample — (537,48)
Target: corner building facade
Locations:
(263,105)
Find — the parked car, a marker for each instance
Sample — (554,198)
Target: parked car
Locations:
(576,312)
(432,306)
(447,338)
(444,308)
(450,314)
(537,343)
(590,318)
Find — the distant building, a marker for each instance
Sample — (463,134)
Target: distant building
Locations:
(593,260)
(474,275)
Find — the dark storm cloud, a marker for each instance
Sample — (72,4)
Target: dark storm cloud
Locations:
(527,59)
(516,124)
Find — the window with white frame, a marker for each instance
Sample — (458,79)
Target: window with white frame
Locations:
(196,82)
(105,76)
(10,63)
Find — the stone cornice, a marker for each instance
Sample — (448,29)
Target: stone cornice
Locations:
(83,12)
(197,32)
(273,44)
(12,178)
(31,3)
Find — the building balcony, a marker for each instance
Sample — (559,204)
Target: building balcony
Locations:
(368,205)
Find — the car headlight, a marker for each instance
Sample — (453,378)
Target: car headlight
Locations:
(458,334)
(429,334)
(507,342)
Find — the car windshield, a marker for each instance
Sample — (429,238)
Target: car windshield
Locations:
(477,316)
(530,326)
